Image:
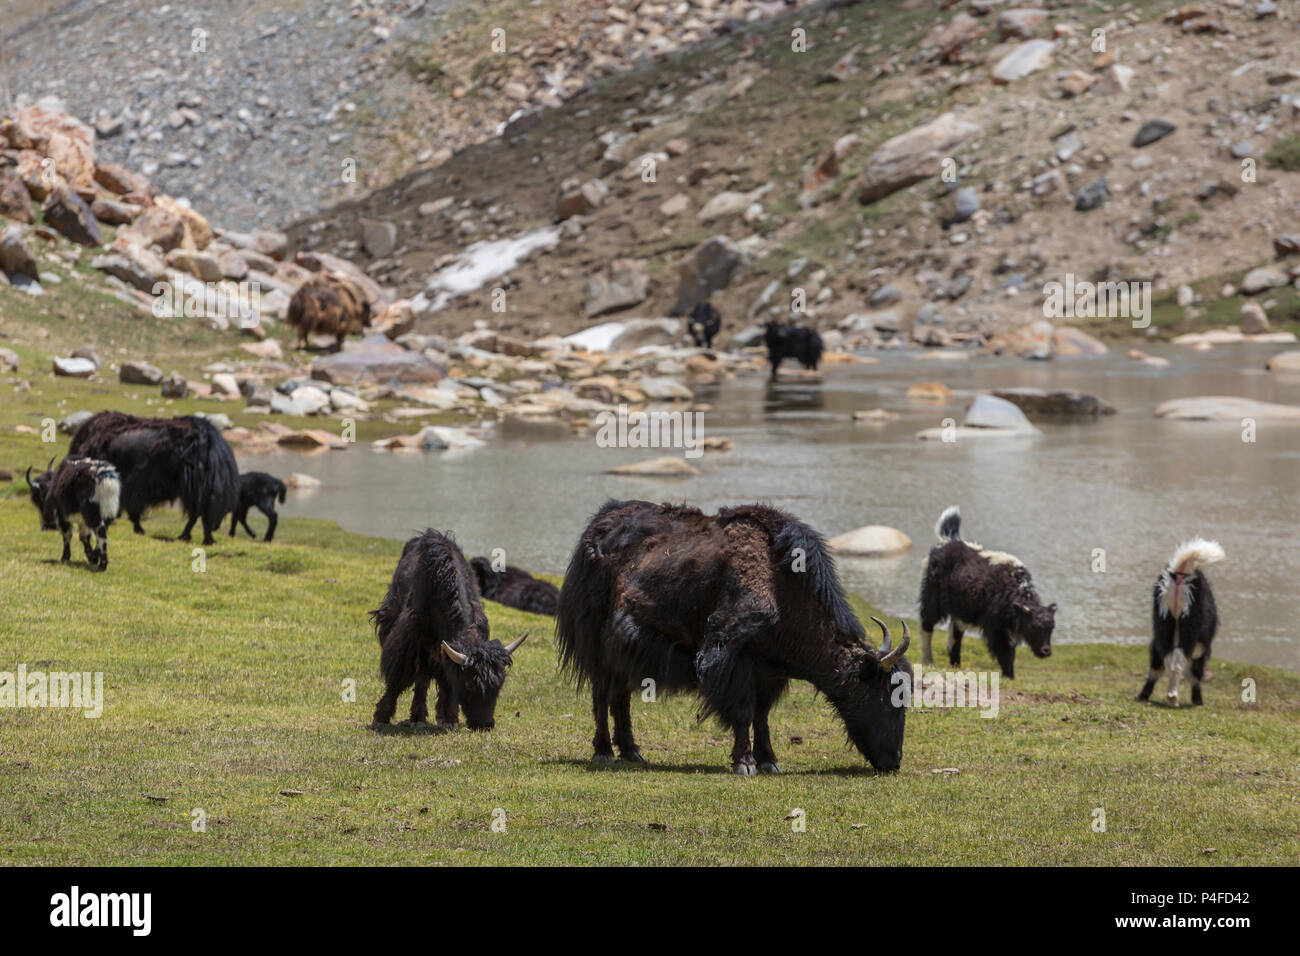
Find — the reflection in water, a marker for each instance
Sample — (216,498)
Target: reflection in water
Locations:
(1125,489)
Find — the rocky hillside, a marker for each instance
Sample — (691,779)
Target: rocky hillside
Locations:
(893,168)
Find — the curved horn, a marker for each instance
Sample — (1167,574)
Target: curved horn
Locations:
(884,635)
(29,476)
(51,464)
(510,648)
(894,656)
(454,654)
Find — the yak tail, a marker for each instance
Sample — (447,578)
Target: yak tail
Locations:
(796,545)
(209,475)
(948,527)
(1190,555)
(280,491)
(585,604)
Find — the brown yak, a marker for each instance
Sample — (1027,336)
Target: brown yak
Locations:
(328,304)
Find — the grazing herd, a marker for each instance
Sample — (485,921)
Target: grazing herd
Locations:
(657,598)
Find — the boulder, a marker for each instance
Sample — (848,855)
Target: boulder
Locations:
(74,367)
(15,257)
(369,364)
(1018,24)
(1070,342)
(301,482)
(626,335)
(311,438)
(1038,402)
(1225,408)
(139,373)
(708,268)
(989,411)
(202,266)
(1028,57)
(1033,341)
(443,438)
(8,360)
(63,138)
(71,423)
(1282,362)
(1254,320)
(123,182)
(68,214)
(622,286)
(115,212)
(656,468)
(664,390)
(874,540)
(1261,280)
(579,199)
(160,228)
(175,386)
(914,155)
(14,202)
(198,234)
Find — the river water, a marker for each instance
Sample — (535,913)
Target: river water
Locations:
(1128,484)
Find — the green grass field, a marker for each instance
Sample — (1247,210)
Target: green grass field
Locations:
(225,687)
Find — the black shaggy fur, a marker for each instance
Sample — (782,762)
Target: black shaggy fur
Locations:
(432,603)
(1175,640)
(515,587)
(165,459)
(976,588)
(257,490)
(704,323)
(86,489)
(733,606)
(792,341)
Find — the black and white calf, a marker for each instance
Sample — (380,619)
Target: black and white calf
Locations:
(988,590)
(84,488)
(1184,619)
(257,490)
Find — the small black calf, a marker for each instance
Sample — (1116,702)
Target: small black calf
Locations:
(86,488)
(515,587)
(977,588)
(704,323)
(257,490)
(1184,619)
(792,341)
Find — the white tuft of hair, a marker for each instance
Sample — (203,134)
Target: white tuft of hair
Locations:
(952,517)
(108,493)
(1198,552)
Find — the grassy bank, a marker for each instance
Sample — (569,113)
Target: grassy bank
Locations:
(225,687)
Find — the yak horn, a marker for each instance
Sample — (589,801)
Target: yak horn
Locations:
(29,476)
(51,464)
(510,648)
(884,635)
(894,656)
(454,654)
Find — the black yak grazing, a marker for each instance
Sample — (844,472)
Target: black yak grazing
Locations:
(84,488)
(431,626)
(792,341)
(988,590)
(163,459)
(514,587)
(734,606)
(1184,619)
(257,490)
(704,323)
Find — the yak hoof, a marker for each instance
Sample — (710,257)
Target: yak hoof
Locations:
(1171,700)
(379,725)
(602,760)
(745,766)
(769,767)
(448,724)
(633,756)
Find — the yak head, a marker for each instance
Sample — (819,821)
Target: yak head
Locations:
(476,675)
(39,488)
(1033,623)
(869,701)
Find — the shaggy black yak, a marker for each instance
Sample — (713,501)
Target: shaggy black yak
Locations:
(1184,619)
(704,323)
(86,489)
(792,341)
(734,606)
(977,588)
(431,627)
(163,459)
(257,490)
(514,587)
